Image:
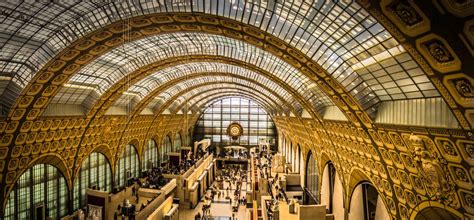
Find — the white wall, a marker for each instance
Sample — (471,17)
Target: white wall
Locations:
(357,207)
(381,212)
(356,211)
(325,187)
(334,113)
(338,199)
(432,112)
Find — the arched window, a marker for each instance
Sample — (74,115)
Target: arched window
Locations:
(297,159)
(282,145)
(188,137)
(290,156)
(165,148)
(288,149)
(255,121)
(177,142)
(312,178)
(150,155)
(327,186)
(41,186)
(128,165)
(95,171)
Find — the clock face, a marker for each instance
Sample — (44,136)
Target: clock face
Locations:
(234,130)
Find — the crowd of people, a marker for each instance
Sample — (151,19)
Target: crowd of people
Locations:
(227,187)
(188,161)
(235,153)
(275,189)
(153,179)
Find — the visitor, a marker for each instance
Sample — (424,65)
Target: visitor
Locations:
(197,216)
(95,216)
(204,202)
(80,214)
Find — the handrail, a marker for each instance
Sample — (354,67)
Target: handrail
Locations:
(255,210)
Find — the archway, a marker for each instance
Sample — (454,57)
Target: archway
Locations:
(165,149)
(297,162)
(290,157)
(366,204)
(128,166)
(249,113)
(436,213)
(287,153)
(40,190)
(95,173)
(150,155)
(283,147)
(327,186)
(332,192)
(187,139)
(311,180)
(177,142)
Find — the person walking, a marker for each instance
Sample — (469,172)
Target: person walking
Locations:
(197,216)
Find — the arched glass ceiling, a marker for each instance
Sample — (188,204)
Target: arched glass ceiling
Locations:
(195,101)
(159,100)
(207,84)
(211,83)
(148,84)
(200,103)
(189,98)
(341,36)
(116,64)
(202,106)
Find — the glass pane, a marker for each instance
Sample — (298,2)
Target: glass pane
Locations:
(250,115)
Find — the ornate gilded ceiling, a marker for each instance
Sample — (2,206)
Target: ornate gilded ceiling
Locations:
(340,39)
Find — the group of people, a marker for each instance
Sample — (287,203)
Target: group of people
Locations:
(94,214)
(233,177)
(232,153)
(127,209)
(188,161)
(274,184)
(154,179)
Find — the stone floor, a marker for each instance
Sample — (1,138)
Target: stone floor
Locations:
(220,207)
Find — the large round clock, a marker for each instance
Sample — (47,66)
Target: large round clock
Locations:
(234,130)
